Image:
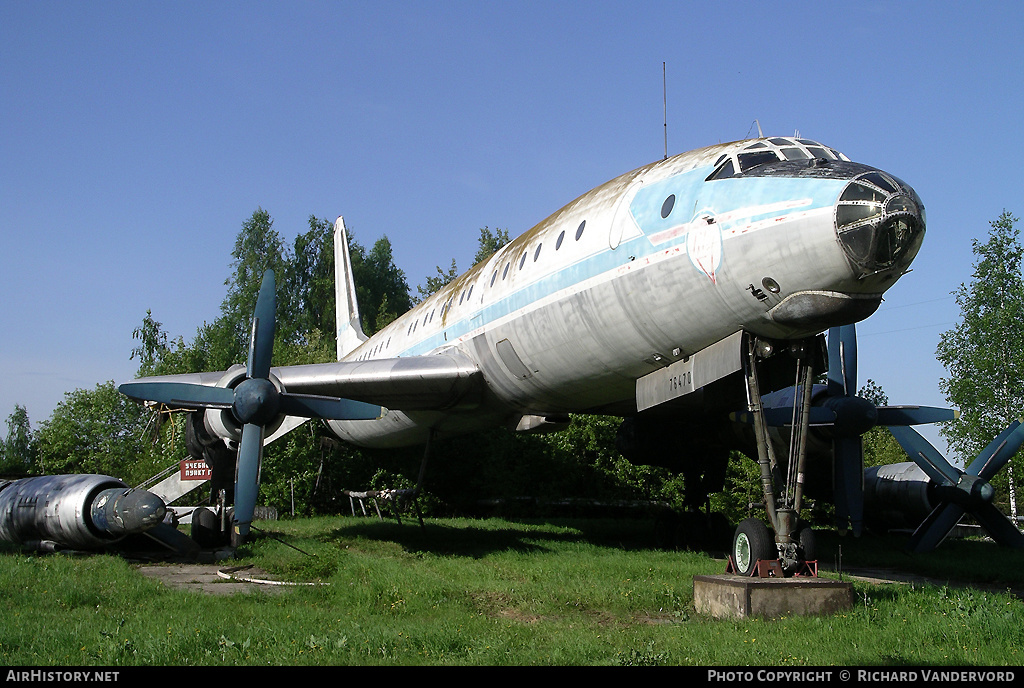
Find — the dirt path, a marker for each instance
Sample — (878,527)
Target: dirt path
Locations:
(212,579)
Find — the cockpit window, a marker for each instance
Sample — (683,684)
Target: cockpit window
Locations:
(751,160)
(860,192)
(726,170)
(880,181)
(864,199)
(771,150)
(820,152)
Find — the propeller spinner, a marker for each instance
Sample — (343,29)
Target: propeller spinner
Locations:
(255,402)
(961,492)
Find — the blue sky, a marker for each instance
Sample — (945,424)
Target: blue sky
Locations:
(137,137)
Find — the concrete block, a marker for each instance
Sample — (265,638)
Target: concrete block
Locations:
(738,597)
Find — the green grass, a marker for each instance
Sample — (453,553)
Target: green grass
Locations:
(491,592)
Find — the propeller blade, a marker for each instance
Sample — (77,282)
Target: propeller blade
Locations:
(914,415)
(999,526)
(261,343)
(925,455)
(935,528)
(848,479)
(842,360)
(183,394)
(330,408)
(247,478)
(998,452)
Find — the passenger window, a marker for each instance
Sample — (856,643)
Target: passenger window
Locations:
(536,254)
(579,230)
(666,207)
(558,244)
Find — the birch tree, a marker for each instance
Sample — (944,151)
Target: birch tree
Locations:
(984,352)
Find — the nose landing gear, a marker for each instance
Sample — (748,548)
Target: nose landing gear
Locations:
(789,541)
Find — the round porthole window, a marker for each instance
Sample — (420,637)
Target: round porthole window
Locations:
(666,207)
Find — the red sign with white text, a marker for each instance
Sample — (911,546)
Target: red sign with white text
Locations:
(191,469)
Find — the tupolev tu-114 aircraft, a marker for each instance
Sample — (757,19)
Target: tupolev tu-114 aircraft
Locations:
(687,296)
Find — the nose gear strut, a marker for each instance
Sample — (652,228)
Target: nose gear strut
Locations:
(792,538)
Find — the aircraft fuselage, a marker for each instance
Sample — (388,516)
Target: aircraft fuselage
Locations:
(652,267)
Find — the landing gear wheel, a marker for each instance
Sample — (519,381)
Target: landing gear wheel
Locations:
(751,542)
(206,530)
(808,546)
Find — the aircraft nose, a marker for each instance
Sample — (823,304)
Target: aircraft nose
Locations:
(880,222)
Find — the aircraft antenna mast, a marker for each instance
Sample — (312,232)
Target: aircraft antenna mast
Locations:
(664,104)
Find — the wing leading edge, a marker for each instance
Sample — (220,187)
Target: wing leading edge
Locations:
(435,382)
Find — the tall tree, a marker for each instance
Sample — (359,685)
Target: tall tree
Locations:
(488,244)
(97,431)
(433,283)
(17,452)
(983,353)
(880,447)
(381,287)
(258,248)
(311,277)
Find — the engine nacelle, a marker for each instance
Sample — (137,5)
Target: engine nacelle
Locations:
(221,424)
(897,495)
(75,511)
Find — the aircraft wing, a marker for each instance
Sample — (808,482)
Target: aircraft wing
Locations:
(439,381)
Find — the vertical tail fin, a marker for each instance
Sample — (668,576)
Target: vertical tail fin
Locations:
(350,330)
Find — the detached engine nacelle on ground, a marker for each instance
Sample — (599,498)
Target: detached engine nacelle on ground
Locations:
(75,511)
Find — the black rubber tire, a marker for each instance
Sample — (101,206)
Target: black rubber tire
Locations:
(752,541)
(808,544)
(206,529)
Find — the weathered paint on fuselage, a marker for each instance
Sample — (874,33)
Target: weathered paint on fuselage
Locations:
(566,317)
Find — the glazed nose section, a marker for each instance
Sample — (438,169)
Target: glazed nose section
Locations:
(880,223)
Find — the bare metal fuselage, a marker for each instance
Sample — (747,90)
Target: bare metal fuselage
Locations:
(638,273)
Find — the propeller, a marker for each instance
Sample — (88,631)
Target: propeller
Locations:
(847,447)
(255,402)
(961,492)
(837,407)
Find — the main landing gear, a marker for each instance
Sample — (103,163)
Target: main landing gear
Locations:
(789,541)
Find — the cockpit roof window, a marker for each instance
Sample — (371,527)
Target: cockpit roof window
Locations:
(821,152)
(751,160)
(770,150)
